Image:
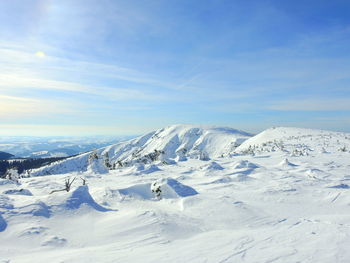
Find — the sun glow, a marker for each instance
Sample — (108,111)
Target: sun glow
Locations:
(40,54)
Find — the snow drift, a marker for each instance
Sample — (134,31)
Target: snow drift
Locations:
(81,196)
(169,188)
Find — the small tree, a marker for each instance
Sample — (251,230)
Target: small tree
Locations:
(119,164)
(26,174)
(12,174)
(106,161)
(156,190)
(93,156)
(204,156)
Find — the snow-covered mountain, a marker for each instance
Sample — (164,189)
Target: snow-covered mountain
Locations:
(167,145)
(296,141)
(282,196)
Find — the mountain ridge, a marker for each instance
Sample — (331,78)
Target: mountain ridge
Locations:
(297,140)
(175,142)
(181,142)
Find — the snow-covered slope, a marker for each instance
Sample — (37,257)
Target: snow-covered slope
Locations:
(173,143)
(296,141)
(270,206)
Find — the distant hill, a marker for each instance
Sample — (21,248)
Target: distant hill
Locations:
(296,141)
(45,147)
(5,155)
(173,143)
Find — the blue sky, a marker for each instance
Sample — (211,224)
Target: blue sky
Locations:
(87,67)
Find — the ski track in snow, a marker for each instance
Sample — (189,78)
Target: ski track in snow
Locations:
(274,206)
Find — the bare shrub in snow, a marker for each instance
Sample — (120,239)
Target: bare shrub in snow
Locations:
(342,149)
(68,183)
(84,180)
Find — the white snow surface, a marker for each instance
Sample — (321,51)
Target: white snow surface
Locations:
(296,141)
(265,205)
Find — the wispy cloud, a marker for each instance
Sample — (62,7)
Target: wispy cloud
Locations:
(10,82)
(311,104)
(69,130)
(18,99)
(157,61)
(13,107)
(23,69)
(26,57)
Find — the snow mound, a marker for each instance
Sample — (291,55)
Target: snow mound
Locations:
(97,166)
(140,168)
(151,169)
(6,181)
(3,223)
(340,186)
(140,191)
(5,202)
(316,174)
(170,188)
(36,209)
(222,180)
(245,164)
(180,158)
(137,168)
(33,231)
(212,166)
(18,192)
(286,163)
(55,242)
(173,188)
(164,146)
(81,196)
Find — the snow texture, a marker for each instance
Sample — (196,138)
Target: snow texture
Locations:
(18,192)
(282,196)
(81,196)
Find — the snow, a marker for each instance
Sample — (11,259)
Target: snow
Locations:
(171,188)
(81,196)
(164,146)
(244,164)
(296,141)
(212,166)
(286,163)
(18,192)
(97,166)
(266,203)
(3,224)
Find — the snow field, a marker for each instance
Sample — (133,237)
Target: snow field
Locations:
(262,206)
